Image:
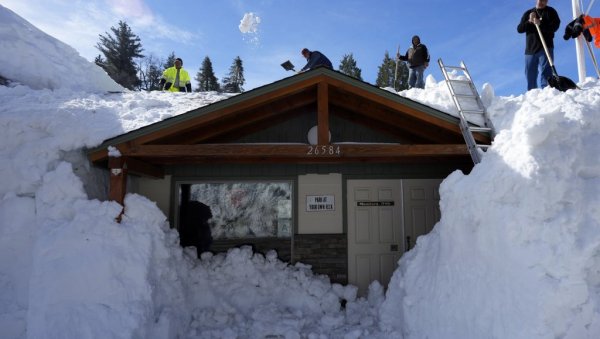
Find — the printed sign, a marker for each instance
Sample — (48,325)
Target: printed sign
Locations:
(320,203)
(374,203)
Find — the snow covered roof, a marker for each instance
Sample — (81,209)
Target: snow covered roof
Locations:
(344,96)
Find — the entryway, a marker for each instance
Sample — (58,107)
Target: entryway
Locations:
(385,217)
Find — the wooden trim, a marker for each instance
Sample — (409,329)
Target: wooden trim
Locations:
(189,124)
(266,153)
(242,119)
(323,114)
(140,167)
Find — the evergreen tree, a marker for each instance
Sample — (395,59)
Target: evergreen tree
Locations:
(207,81)
(149,72)
(385,75)
(348,66)
(169,62)
(235,80)
(119,50)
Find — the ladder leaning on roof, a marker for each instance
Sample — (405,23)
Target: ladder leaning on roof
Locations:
(470,107)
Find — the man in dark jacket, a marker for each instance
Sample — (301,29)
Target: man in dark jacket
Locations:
(535,57)
(314,59)
(418,59)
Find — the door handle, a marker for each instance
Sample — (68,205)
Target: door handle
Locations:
(407,243)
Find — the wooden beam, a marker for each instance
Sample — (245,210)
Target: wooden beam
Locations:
(323,114)
(301,153)
(143,168)
(118,179)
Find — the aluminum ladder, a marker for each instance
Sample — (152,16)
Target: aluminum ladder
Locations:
(470,108)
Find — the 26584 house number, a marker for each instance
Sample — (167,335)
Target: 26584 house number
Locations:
(323,150)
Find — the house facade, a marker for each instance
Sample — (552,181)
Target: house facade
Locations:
(323,168)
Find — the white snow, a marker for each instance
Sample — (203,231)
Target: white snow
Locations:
(33,58)
(515,255)
(249,23)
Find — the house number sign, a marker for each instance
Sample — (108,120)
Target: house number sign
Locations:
(323,150)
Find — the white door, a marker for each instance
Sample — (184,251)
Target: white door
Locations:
(385,217)
(374,231)
(421,208)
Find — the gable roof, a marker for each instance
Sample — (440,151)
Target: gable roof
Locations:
(321,89)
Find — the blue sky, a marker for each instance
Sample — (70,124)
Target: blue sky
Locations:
(482,33)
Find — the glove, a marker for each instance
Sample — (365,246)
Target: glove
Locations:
(168,85)
(188,87)
(161,84)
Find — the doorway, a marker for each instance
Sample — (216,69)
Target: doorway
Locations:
(385,217)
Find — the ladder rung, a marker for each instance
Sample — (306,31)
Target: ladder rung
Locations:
(454,67)
(466,95)
(460,81)
(482,146)
(480,129)
(470,111)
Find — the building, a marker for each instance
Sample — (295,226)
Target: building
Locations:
(325,169)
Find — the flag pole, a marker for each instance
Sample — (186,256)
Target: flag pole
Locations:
(579,51)
(396,71)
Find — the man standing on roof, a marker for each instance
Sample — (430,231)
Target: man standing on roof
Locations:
(314,59)
(418,59)
(535,57)
(176,79)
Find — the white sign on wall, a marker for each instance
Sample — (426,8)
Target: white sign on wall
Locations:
(320,203)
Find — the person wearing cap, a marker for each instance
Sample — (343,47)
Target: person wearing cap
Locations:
(417,57)
(535,56)
(176,79)
(314,59)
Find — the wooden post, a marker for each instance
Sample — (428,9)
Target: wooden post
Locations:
(118,181)
(323,114)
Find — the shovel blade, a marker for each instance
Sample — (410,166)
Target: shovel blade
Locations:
(288,66)
(561,83)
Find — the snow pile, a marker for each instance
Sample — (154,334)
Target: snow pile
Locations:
(35,59)
(251,295)
(517,251)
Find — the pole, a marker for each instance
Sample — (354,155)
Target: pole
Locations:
(579,51)
(396,71)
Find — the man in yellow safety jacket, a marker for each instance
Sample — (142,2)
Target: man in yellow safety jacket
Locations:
(176,79)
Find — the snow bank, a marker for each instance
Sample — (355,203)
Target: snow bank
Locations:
(517,251)
(35,59)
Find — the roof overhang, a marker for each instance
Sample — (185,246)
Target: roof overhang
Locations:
(207,134)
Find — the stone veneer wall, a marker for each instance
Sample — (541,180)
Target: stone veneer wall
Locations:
(326,253)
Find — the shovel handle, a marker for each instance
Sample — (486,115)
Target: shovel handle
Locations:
(537,26)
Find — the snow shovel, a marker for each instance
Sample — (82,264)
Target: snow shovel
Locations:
(555,81)
(288,66)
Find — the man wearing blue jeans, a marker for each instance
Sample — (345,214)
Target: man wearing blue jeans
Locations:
(535,57)
(418,59)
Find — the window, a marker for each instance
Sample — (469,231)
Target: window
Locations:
(238,210)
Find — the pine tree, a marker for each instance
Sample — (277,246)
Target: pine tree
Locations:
(385,75)
(169,62)
(207,81)
(348,66)
(235,80)
(119,50)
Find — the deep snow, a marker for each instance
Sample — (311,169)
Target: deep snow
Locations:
(515,255)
